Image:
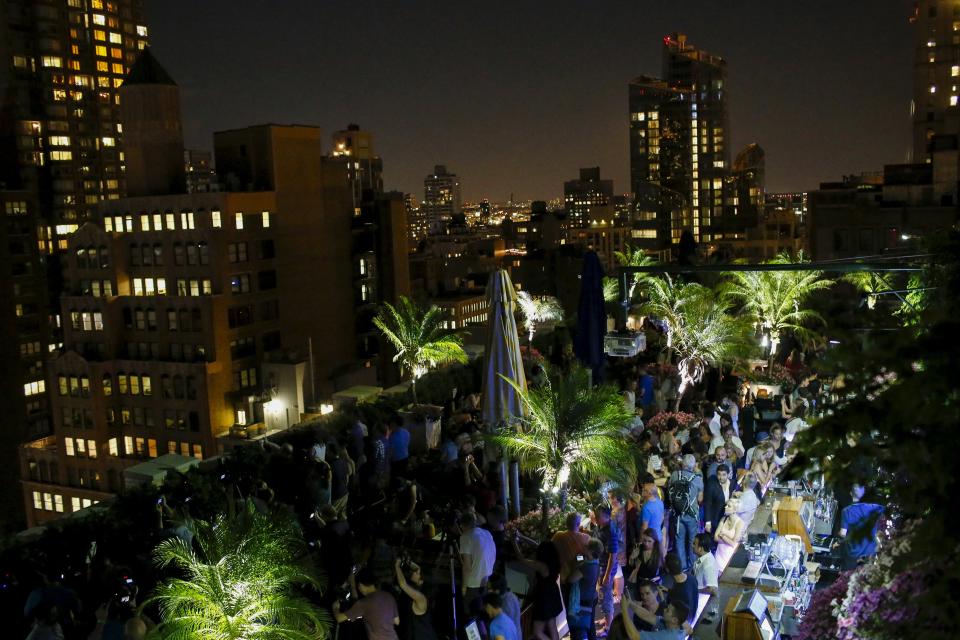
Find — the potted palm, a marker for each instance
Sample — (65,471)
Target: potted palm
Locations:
(421,343)
(571,435)
(773,300)
(241,582)
(700,331)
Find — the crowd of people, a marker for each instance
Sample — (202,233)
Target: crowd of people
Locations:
(416,544)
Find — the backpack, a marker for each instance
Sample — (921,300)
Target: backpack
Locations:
(679,493)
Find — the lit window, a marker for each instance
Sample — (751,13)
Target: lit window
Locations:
(61,155)
(51,61)
(953,101)
(109,141)
(48,502)
(112,447)
(141,31)
(58,503)
(241,416)
(955,70)
(265,216)
(138,286)
(931,43)
(128,445)
(99,18)
(215,218)
(68,443)
(157,222)
(933,88)
(60,141)
(171,222)
(37,500)
(115,38)
(74,503)
(238,220)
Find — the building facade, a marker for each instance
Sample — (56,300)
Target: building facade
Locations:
(936,76)
(353,148)
(679,157)
(441,199)
(584,194)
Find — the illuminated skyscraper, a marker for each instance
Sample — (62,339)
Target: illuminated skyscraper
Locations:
(936,76)
(678,152)
(441,199)
(61,65)
(589,191)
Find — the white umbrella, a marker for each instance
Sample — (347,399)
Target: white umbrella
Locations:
(501,404)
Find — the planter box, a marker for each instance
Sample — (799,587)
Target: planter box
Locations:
(423,421)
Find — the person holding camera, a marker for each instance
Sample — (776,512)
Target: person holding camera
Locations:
(417,619)
(377,608)
(582,596)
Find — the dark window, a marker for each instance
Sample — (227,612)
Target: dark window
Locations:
(266,280)
(239,316)
(267,250)
(271,340)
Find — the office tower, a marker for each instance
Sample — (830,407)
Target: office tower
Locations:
(678,152)
(441,199)
(353,148)
(61,65)
(417,227)
(187,316)
(743,194)
(198,165)
(936,76)
(584,194)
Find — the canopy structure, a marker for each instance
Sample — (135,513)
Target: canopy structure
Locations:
(501,403)
(591,318)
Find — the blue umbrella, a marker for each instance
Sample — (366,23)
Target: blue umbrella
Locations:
(591,317)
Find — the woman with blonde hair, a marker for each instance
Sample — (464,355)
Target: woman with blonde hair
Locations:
(762,465)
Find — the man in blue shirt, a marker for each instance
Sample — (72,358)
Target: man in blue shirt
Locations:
(651,514)
(399,445)
(858,528)
(501,626)
(646,397)
(671,626)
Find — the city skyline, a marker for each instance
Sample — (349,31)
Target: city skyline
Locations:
(819,112)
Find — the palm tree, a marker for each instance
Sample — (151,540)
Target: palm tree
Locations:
(536,310)
(419,338)
(571,433)
(774,300)
(700,331)
(241,583)
(871,283)
(634,257)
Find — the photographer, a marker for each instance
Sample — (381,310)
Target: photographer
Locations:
(377,609)
(583,591)
(416,618)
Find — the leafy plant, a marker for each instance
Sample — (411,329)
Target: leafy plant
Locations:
(418,336)
(240,584)
(774,300)
(634,257)
(537,310)
(572,432)
(700,332)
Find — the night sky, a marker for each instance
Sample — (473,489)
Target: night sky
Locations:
(516,96)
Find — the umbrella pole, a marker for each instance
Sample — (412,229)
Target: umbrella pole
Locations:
(503,481)
(515,488)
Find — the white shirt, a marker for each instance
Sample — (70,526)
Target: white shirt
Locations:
(706,571)
(319,451)
(748,505)
(479,545)
(718,441)
(793,427)
(725,486)
(715,424)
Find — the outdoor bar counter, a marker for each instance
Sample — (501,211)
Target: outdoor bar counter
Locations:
(785,590)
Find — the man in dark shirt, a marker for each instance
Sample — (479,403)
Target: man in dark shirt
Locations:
(684,587)
(377,609)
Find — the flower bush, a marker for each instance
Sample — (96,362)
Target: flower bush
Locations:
(777,374)
(820,621)
(530,524)
(659,422)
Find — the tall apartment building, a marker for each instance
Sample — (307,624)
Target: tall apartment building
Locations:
(175,304)
(679,157)
(584,194)
(441,199)
(417,226)
(353,148)
(61,66)
(936,76)
(24,346)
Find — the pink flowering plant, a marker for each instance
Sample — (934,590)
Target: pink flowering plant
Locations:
(777,374)
(820,620)
(659,422)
